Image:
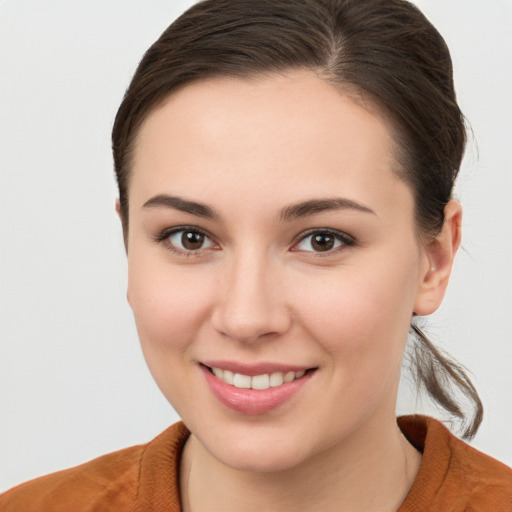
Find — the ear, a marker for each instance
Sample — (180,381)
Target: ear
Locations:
(125,238)
(123,223)
(118,209)
(440,254)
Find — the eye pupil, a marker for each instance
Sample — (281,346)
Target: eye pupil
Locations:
(322,242)
(191,240)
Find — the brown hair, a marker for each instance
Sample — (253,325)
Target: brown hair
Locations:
(384,50)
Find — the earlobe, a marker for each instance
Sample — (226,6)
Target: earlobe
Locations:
(440,254)
(118,209)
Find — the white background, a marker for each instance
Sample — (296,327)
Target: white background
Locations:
(73,381)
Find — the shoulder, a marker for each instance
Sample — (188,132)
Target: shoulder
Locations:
(453,475)
(78,487)
(111,482)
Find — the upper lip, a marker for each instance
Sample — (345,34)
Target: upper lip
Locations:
(256,368)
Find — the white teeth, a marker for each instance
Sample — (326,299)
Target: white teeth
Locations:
(276,379)
(242,381)
(288,377)
(229,377)
(259,382)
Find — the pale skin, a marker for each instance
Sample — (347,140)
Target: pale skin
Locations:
(256,289)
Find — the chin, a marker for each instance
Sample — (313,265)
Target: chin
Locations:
(269,460)
(258,450)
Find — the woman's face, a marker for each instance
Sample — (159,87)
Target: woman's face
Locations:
(268,237)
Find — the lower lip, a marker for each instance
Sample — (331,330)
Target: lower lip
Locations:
(252,401)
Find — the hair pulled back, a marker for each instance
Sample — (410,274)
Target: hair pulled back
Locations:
(385,51)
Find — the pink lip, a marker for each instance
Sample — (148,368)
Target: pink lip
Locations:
(252,401)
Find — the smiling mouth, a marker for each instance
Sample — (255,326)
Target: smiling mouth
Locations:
(258,382)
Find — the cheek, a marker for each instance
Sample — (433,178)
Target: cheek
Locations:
(362,312)
(361,321)
(169,307)
(168,304)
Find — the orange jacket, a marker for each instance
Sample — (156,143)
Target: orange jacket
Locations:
(453,477)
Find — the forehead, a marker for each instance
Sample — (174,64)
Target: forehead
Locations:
(291,131)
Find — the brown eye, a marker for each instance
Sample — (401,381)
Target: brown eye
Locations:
(188,240)
(192,241)
(322,242)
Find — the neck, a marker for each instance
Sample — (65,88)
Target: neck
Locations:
(371,471)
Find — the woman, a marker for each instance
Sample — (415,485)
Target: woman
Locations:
(285,172)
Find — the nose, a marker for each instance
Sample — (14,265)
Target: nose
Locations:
(251,304)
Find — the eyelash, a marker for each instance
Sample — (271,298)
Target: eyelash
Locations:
(164,236)
(339,236)
(344,239)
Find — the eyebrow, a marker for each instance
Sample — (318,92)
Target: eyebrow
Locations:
(289,213)
(314,206)
(184,205)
